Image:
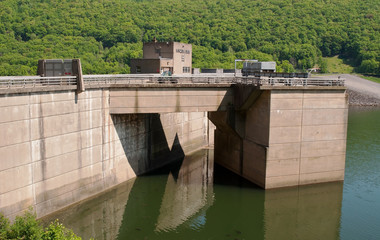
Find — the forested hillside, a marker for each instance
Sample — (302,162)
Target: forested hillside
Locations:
(106,34)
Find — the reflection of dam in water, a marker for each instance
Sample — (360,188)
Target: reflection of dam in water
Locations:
(308,212)
(186,200)
(173,198)
(188,194)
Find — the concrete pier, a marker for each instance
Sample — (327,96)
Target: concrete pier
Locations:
(287,137)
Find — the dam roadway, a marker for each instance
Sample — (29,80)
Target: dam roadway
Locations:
(61,144)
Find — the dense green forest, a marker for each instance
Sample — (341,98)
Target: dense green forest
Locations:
(106,34)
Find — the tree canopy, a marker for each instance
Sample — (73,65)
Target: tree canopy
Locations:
(105,35)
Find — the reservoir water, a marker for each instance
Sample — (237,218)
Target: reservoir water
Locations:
(194,199)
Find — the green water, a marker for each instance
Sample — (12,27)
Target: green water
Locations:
(361,191)
(194,200)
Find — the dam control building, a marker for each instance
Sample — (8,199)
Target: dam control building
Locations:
(164,57)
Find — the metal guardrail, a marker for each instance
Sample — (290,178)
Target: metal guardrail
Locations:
(292,82)
(35,81)
(154,79)
(98,80)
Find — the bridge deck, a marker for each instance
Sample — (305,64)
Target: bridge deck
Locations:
(22,84)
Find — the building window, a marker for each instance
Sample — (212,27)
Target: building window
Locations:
(183,58)
(186,69)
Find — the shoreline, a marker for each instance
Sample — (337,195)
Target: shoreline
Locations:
(356,98)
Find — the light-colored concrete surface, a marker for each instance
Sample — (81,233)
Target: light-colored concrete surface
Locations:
(281,118)
(322,164)
(58,148)
(291,137)
(328,176)
(165,100)
(283,151)
(281,181)
(257,121)
(320,133)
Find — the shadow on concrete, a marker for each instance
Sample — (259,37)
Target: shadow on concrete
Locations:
(225,177)
(144,142)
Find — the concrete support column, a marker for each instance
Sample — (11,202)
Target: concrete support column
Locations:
(285,137)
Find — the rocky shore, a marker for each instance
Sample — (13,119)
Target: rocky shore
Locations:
(356,98)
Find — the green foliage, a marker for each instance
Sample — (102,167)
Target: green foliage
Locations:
(4,226)
(57,231)
(107,34)
(371,78)
(322,65)
(285,66)
(369,66)
(27,227)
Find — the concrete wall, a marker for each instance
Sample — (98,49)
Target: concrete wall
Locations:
(182,57)
(145,66)
(285,138)
(256,140)
(158,49)
(170,99)
(57,148)
(307,141)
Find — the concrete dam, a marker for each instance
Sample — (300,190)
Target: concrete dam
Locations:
(59,146)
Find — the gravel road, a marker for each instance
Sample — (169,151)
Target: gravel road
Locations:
(361,92)
(361,85)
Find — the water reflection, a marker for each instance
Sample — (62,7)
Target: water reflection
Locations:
(191,193)
(189,200)
(99,217)
(306,212)
(171,199)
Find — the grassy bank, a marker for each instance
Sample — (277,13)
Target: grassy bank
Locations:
(373,79)
(338,65)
